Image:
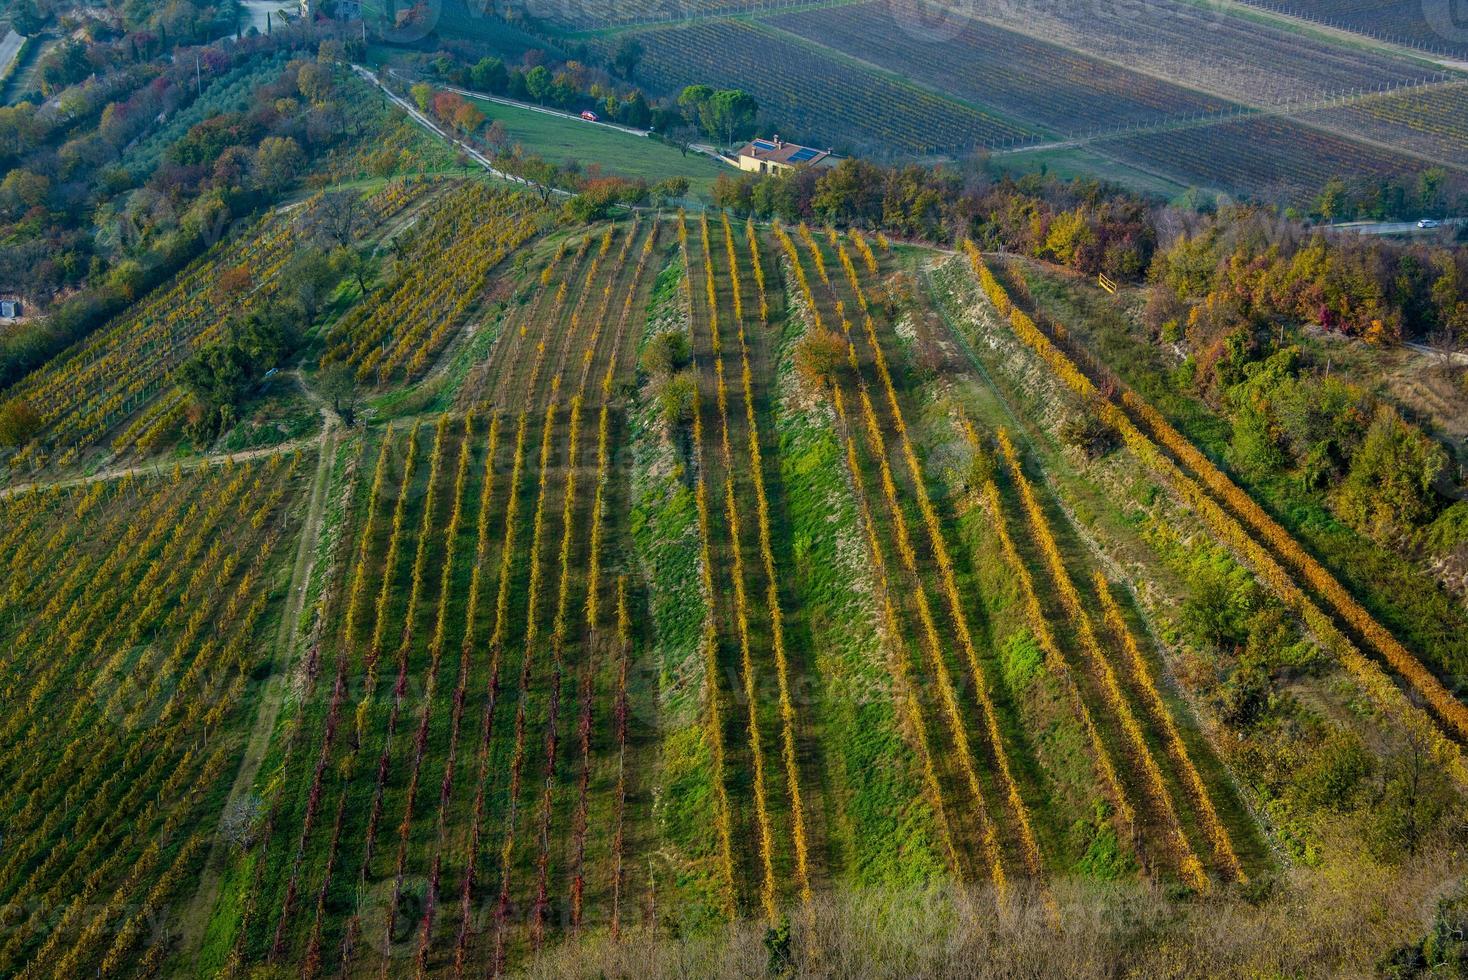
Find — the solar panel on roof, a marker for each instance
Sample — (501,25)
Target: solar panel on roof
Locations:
(801,156)
(763,145)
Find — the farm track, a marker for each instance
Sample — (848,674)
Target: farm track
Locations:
(282,664)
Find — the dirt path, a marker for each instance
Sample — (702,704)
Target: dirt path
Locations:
(330,422)
(195,916)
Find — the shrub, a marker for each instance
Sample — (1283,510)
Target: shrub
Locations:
(667,354)
(820,353)
(677,399)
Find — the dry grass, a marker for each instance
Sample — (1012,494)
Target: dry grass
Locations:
(1328,922)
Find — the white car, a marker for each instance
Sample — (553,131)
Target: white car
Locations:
(1429,223)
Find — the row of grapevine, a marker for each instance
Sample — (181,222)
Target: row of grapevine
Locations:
(1019,811)
(399,328)
(767,555)
(710,640)
(759,778)
(1229,529)
(107,777)
(1189,865)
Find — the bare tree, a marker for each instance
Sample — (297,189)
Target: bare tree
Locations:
(339,219)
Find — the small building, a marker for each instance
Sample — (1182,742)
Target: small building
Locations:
(11,309)
(762,156)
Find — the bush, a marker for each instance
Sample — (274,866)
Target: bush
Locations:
(819,355)
(1389,490)
(667,354)
(19,423)
(1089,434)
(677,399)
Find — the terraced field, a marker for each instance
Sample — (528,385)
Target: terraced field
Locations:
(596,643)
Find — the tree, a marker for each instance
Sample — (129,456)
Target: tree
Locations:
(627,57)
(314,81)
(820,354)
(24,189)
(1388,492)
(670,189)
(729,113)
(489,75)
(538,83)
(467,117)
(422,94)
(691,101)
(19,423)
(338,383)
(682,137)
(65,64)
(1412,804)
(497,138)
(277,162)
(677,398)
(308,280)
(339,219)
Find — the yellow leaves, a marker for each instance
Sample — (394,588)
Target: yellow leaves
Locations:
(1267,566)
(1101,667)
(1218,836)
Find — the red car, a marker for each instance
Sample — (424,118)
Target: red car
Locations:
(589,116)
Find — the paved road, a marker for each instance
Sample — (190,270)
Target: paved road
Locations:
(433,127)
(10,46)
(703,148)
(1394,227)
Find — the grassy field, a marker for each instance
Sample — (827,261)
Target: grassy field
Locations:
(560,139)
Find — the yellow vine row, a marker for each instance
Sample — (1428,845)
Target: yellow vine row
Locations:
(1218,836)
(1189,865)
(1367,672)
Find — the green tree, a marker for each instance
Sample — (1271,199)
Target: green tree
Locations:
(667,354)
(277,162)
(677,398)
(729,114)
(19,423)
(538,83)
(489,75)
(691,102)
(627,57)
(338,384)
(1388,492)
(422,94)
(670,189)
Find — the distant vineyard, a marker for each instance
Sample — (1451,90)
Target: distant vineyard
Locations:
(1206,48)
(1431,120)
(598,14)
(1400,21)
(136,614)
(1266,158)
(834,101)
(1021,76)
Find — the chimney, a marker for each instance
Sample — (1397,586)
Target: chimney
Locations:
(778,141)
